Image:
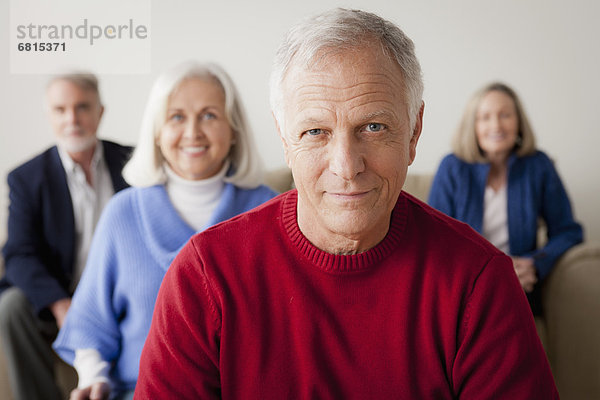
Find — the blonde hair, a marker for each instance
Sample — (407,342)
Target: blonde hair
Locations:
(145,168)
(465,145)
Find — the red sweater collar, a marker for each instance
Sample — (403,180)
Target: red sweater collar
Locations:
(333,263)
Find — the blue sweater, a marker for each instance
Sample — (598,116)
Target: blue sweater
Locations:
(137,237)
(534,191)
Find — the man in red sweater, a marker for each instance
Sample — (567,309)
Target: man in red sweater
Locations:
(346,288)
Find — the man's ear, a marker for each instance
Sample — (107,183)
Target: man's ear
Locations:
(283,141)
(416,134)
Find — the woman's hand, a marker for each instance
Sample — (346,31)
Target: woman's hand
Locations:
(97,391)
(525,271)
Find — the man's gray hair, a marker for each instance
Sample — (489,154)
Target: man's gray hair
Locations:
(346,29)
(82,79)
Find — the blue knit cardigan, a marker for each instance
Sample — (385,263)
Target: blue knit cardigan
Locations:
(137,237)
(534,191)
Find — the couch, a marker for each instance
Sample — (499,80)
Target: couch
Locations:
(570,330)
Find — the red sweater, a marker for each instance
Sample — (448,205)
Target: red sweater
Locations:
(250,309)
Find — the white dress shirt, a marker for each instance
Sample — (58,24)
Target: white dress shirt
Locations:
(88,201)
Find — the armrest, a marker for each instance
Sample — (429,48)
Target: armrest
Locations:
(571,298)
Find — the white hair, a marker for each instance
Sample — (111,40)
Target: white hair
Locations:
(82,79)
(146,165)
(346,29)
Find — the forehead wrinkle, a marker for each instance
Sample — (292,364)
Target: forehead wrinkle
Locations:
(376,91)
(386,111)
(374,115)
(316,109)
(317,87)
(319,116)
(330,90)
(313,115)
(362,98)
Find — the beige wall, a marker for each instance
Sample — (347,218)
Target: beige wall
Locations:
(547,50)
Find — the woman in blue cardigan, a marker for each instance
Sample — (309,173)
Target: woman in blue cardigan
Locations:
(194,166)
(501,185)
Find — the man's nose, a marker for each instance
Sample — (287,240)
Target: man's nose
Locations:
(346,158)
(70,115)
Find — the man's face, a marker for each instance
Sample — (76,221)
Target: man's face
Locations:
(348,141)
(74,114)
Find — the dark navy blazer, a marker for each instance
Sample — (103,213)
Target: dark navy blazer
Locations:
(39,253)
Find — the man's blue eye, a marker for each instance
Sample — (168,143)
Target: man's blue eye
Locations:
(176,117)
(374,127)
(314,132)
(209,115)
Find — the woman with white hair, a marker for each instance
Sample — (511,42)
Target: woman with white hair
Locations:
(195,165)
(501,185)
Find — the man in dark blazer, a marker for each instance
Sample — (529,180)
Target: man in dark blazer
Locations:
(55,201)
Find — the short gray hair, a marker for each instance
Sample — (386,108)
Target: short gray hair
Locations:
(146,165)
(82,79)
(346,29)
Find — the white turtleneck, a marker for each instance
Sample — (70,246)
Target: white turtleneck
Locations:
(195,201)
